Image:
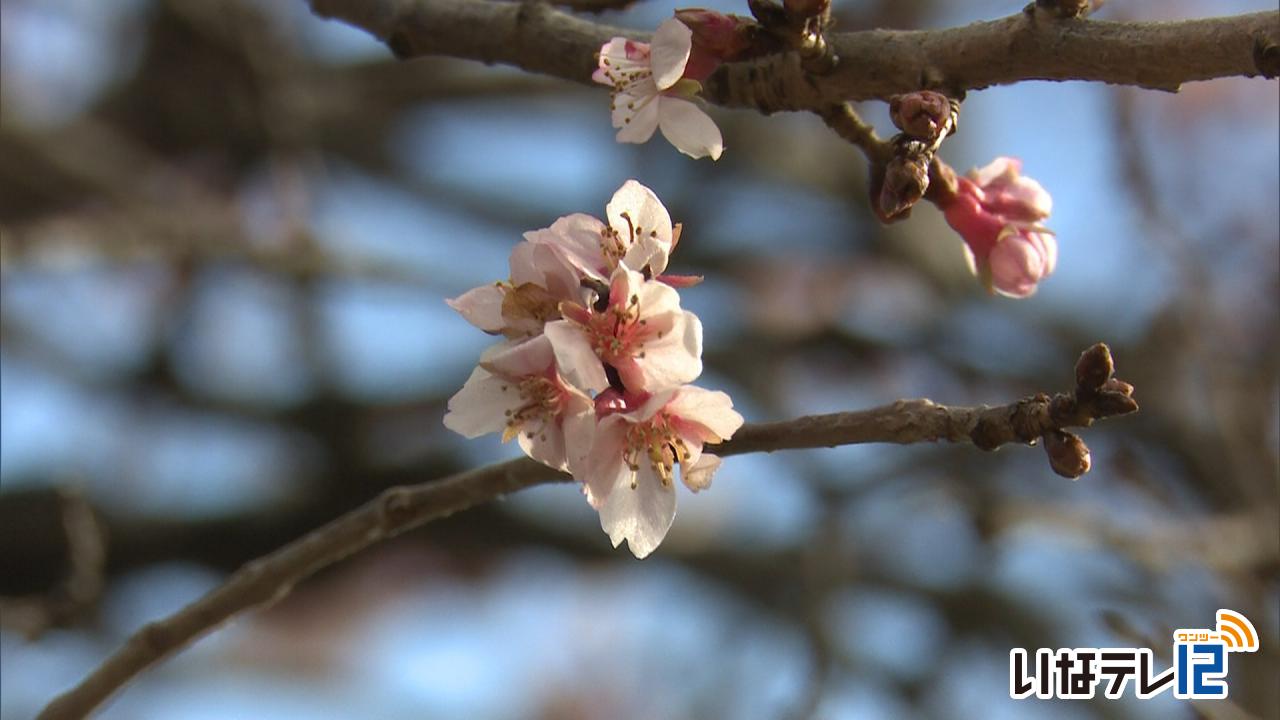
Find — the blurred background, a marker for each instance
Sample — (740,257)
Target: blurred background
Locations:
(226,233)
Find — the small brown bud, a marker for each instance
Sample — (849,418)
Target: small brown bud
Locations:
(1094,367)
(1117,385)
(923,114)
(1068,455)
(906,178)
(1111,402)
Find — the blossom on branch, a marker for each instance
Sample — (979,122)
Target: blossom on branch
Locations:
(630,470)
(652,92)
(589,308)
(998,213)
(639,331)
(517,391)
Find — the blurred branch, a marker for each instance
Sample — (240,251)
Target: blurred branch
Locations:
(396,510)
(875,64)
(79,589)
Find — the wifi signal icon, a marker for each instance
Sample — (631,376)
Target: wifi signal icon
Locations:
(1236,632)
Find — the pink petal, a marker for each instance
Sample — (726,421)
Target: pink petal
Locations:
(578,363)
(698,475)
(712,409)
(641,516)
(675,358)
(606,469)
(689,129)
(480,406)
(669,52)
(481,307)
(520,358)
(637,116)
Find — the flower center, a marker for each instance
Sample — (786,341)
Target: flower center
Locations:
(619,332)
(541,401)
(657,442)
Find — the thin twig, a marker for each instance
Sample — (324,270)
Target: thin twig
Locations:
(269,578)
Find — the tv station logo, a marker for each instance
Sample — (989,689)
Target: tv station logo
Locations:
(1199,669)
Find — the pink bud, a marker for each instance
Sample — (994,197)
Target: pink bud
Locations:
(923,114)
(717,38)
(997,212)
(1021,258)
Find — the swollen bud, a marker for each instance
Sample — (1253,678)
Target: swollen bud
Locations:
(724,38)
(1068,455)
(924,114)
(906,178)
(1094,368)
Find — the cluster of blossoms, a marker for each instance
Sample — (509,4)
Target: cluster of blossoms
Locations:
(998,212)
(592,377)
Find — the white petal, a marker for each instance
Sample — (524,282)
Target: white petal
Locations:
(579,434)
(692,131)
(669,52)
(712,409)
(547,446)
(641,516)
(636,115)
(698,475)
(519,358)
(676,357)
(480,406)
(605,466)
(577,361)
(578,238)
(656,298)
(481,307)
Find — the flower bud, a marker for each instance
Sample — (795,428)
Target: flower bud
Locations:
(1118,386)
(924,114)
(906,178)
(997,212)
(1068,455)
(717,38)
(1094,367)
(1110,403)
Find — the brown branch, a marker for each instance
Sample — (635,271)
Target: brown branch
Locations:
(874,63)
(396,510)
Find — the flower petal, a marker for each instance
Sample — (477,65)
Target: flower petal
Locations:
(712,409)
(547,446)
(673,359)
(606,469)
(636,113)
(519,359)
(481,307)
(692,131)
(641,515)
(698,476)
(577,361)
(480,406)
(669,52)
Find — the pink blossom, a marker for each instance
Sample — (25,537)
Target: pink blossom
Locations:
(650,91)
(541,278)
(997,211)
(641,332)
(517,391)
(639,235)
(630,469)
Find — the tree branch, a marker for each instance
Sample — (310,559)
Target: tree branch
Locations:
(271,577)
(874,63)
